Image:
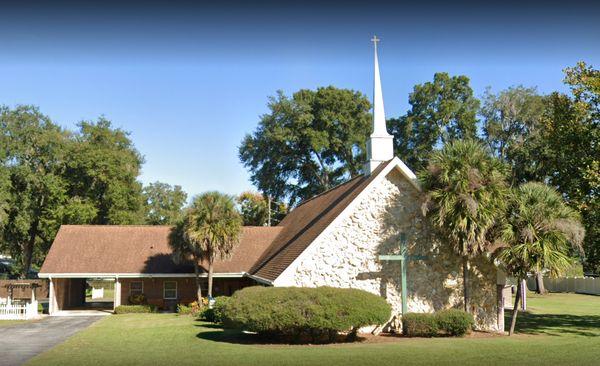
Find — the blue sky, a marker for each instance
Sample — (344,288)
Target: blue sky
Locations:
(190,80)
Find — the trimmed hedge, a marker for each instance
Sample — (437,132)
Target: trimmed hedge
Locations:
(130,309)
(297,312)
(419,325)
(452,322)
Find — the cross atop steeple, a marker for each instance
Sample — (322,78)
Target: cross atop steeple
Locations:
(375,40)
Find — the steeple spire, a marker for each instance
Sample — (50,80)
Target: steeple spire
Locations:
(380,146)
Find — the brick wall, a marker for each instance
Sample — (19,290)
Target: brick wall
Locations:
(186,288)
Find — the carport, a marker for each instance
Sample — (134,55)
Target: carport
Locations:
(69,294)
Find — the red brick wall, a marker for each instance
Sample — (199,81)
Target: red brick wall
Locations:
(186,288)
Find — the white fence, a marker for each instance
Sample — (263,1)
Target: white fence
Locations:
(9,311)
(583,285)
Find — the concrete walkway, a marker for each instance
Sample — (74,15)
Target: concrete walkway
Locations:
(18,343)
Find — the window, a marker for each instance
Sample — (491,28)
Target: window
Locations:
(170,290)
(136,288)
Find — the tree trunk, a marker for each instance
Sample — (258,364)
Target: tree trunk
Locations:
(27,259)
(539,281)
(33,231)
(210,278)
(28,250)
(198,285)
(466,283)
(513,320)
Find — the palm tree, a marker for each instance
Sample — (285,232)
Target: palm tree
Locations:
(183,249)
(541,234)
(466,194)
(209,230)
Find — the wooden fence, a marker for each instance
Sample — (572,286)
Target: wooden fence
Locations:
(582,285)
(24,293)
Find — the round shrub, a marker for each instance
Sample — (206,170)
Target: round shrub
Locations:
(218,309)
(454,322)
(215,314)
(297,312)
(419,325)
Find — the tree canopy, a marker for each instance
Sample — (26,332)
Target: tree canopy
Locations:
(51,176)
(163,203)
(512,121)
(440,111)
(554,139)
(308,143)
(254,208)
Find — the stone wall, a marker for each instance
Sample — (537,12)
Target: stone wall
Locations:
(347,257)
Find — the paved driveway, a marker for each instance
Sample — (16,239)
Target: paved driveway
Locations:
(18,343)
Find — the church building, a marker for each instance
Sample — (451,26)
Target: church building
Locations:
(367,233)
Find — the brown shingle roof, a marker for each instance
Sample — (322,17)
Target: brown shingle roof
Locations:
(303,224)
(263,251)
(140,249)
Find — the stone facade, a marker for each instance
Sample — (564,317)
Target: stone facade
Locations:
(346,256)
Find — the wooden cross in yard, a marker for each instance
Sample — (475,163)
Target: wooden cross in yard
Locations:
(403,258)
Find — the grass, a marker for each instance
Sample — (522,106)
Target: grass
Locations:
(558,329)
(7,323)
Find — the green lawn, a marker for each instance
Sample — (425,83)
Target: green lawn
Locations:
(560,329)
(6,323)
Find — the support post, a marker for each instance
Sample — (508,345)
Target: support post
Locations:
(500,285)
(500,310)
(52,304)
(117,296)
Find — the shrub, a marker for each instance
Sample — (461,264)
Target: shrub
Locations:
(215,314)
(184,309)
(137,299)
(419,325)
(314,312)
(130,309)
(192,309)
(454,322)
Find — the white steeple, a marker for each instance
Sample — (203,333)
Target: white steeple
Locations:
(380,146)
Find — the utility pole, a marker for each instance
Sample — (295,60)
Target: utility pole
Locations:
(269,210)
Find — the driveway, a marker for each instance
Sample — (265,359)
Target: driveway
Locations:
(18,343)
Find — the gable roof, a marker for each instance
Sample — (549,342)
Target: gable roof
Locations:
(107,249)
(305,222)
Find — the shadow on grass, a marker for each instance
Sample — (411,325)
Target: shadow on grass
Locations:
(216,333)
(556,324)
(230,336)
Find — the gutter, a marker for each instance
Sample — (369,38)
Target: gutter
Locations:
(260,279)
(138,275)
(154,275)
